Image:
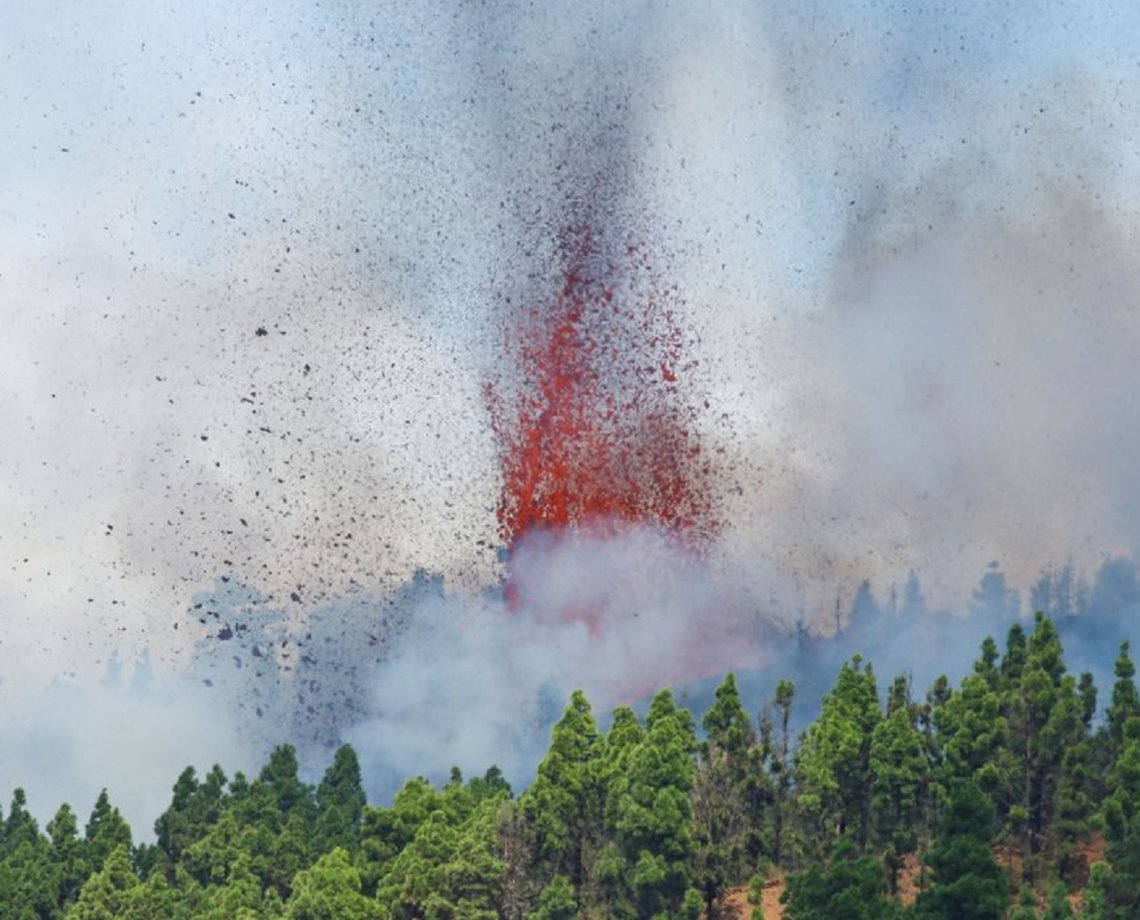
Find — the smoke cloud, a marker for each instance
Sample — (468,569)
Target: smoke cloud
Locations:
(67,741)
(475,682)
(255,271)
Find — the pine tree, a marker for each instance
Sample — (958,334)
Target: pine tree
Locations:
(833,764)
(847,887)
(1050,750)
(449,869)
(69,855)
(106,831)
(193,810)
(1120,888)
(155,898)
(725,776)
(564,804)
(330,890)
(727,724)
(968,883)
(776,753)
(237,898)
(900,777)
(29,881)
(280,785)
(19,826)
(972,736)
(557,900)
(1125,703)
(1058,907)
(386,831)
(340,801)
(105,894)
(652,815)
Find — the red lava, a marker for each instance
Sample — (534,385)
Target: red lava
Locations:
(596,429)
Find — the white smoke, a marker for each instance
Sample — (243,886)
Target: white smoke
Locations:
(617,615)
(253,267)
(64,742)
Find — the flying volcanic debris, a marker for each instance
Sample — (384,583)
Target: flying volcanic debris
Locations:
(601,427)
(597,433)
(608,511)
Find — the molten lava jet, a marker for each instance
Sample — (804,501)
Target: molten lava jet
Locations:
(596,427)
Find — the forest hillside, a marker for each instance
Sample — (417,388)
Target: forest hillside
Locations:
(1012,791)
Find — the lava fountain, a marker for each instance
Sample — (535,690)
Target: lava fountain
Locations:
(596,425)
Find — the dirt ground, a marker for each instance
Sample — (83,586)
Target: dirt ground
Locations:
(1089,853)
(909,878)
(737,906)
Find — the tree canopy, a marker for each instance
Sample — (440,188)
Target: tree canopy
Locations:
(1008,781)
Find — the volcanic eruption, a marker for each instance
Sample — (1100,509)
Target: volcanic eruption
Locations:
(595,427)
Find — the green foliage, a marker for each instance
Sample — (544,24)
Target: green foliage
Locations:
(1119,889)
(69,855)
(1047,800)
(1125,703)
(1058,906)
(330,890)
(278,793)
(565,802)
(756,885)
(386,831)
(973,732)
(106,831)
(449,869)
(833,765)
(340,802)
(19,827)
(105,895)
(774,780)
(728,796)
(727,723)
(557,901)
(238,895)
(194,808)
(29,882)
(691,905)
(154,897)
(900,776)
(650,811)
(848,887)
(968,883)
(1096,906)
(644,821)
(1026,907)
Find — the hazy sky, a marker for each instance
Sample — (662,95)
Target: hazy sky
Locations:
(253,261)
